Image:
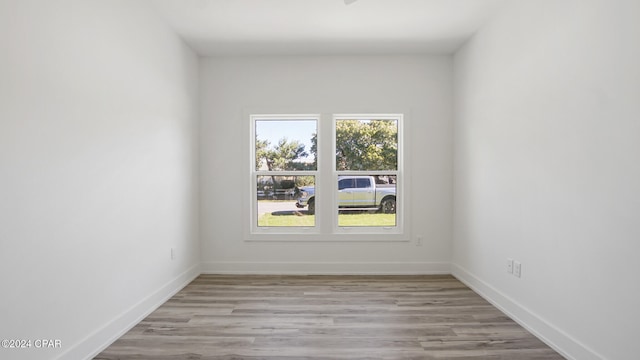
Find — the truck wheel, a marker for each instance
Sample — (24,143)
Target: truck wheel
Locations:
(312,207)
(388,206)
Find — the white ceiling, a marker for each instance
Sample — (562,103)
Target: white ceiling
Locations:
(215,27)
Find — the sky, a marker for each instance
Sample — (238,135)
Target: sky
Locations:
(274,130)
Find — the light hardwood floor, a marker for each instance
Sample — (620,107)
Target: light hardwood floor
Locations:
(327,317)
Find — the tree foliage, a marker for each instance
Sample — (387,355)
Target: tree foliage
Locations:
(366,145)
(360,145)
(314,149)
(281,156)
(261,151)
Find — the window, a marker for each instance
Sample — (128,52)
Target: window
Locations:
(366,166)
(362,190)
(276,199)
(284,166)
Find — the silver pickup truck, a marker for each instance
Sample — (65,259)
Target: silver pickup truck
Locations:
(355,193)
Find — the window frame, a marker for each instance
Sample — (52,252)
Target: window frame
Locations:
(326,227)
(255,229)
(400,183)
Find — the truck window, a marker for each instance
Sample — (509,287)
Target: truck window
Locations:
(345,184)
(363,183)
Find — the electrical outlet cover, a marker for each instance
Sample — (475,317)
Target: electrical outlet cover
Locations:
(517,268)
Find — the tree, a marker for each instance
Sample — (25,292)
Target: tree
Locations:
(366,145)
(314,150)
(261,151)
(282,156)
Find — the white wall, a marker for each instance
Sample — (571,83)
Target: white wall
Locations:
(420,85)
(98,114)
(547,138)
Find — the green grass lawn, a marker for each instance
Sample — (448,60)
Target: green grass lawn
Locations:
(366,219)
(286,220)
(349,219)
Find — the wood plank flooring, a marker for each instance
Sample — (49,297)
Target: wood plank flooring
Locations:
(327,317)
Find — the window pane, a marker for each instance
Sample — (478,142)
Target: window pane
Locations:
(368,200)
(285,145)
(277,198)
(366,144)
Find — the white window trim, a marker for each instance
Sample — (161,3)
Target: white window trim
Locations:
(326,177)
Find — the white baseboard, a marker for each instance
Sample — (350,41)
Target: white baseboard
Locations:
(557,339)
(100,339)
(326,268)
